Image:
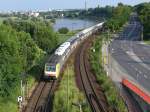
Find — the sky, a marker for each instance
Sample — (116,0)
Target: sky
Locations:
(19,5)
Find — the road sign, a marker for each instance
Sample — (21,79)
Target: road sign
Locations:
(20,99)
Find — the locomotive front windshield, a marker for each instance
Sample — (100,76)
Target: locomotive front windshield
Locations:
(50,68)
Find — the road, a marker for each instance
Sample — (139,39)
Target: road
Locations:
(132,54)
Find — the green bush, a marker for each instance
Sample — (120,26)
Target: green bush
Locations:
(63,30)
(111,92)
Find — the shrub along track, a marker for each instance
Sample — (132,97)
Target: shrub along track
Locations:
(41,97)
(87,82)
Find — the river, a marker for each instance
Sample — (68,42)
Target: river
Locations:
(73,24)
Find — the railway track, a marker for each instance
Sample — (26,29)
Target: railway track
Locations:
(97,105)
(39,99)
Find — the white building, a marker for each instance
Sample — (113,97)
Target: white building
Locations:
(35,14)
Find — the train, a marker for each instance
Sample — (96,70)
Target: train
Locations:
(56,62)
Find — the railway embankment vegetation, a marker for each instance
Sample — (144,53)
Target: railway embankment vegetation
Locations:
(24,47)
(114,99)
(143,11)
(68,97)
(120,16)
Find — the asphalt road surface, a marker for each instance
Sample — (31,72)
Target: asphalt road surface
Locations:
(131,54)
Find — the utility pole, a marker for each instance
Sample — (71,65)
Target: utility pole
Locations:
(67,89)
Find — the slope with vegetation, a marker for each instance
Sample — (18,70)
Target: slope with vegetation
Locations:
(113,97)
(25,45)
(18,53)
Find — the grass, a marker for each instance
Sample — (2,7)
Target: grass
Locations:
(68,93)
(147,42)
(114,99)
(64,37)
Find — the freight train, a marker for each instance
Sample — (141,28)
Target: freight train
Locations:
(56,61)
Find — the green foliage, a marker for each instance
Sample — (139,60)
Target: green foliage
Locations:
(63,30)
(10,60)
(29,50)
(111,93)
(119,17)
(53,20)
(63,37)
(98,12)
(7,106)
(40,31)
(144,13)
(18,53)
(68,93)
(147,42)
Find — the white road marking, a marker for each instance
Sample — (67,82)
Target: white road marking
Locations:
(145,76)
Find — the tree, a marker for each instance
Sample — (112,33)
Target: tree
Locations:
(11,64)
(120,4)
(18,53)
(63,30)
(144,13)
(40,31)
(120,15)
